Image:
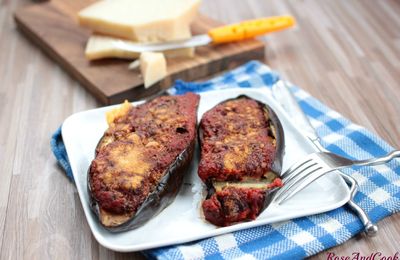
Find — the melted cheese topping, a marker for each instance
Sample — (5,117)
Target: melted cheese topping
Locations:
(236,141)
(238,136)
(137,149)
(118,112)
(129,162)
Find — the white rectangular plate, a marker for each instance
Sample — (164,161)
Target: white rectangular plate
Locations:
(182,221)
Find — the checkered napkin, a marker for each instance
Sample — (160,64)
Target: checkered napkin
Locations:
(379,191)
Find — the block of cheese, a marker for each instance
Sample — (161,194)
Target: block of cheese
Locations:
(99,47)
(141,20)
(153,67)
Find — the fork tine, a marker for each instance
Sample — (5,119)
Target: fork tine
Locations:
(296,165)
(293,174)
(302,184)
(300,176)
(296,179)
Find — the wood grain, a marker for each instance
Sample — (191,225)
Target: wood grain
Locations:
(346,53)
(53,27)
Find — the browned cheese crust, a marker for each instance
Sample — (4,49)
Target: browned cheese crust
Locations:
(136,150)
(236,141)
(238,152)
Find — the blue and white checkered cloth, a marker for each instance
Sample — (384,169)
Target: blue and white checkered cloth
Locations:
(379,191)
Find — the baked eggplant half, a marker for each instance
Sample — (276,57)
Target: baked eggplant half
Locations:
(242,146)
(141,160)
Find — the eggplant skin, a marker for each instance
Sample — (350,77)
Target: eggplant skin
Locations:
(160,198)
(141,160)
(242,148)
(280,140)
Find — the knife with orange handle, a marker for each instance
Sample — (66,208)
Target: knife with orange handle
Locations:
(250,29)
(224,34)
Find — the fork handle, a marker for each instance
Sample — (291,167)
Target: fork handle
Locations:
(370,228)
(377,161)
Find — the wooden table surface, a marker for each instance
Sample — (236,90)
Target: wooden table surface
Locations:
(346,53)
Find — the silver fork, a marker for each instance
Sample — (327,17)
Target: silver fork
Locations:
(287,100)
(315,165)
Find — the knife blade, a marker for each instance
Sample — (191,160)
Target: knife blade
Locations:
(224,34)
(286,99)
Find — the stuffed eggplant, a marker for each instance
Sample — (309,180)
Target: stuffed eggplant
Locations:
(141,159)
(242,145)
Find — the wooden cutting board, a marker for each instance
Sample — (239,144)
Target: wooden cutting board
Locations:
(53,26)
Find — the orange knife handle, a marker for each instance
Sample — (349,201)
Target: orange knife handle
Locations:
(250,29)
